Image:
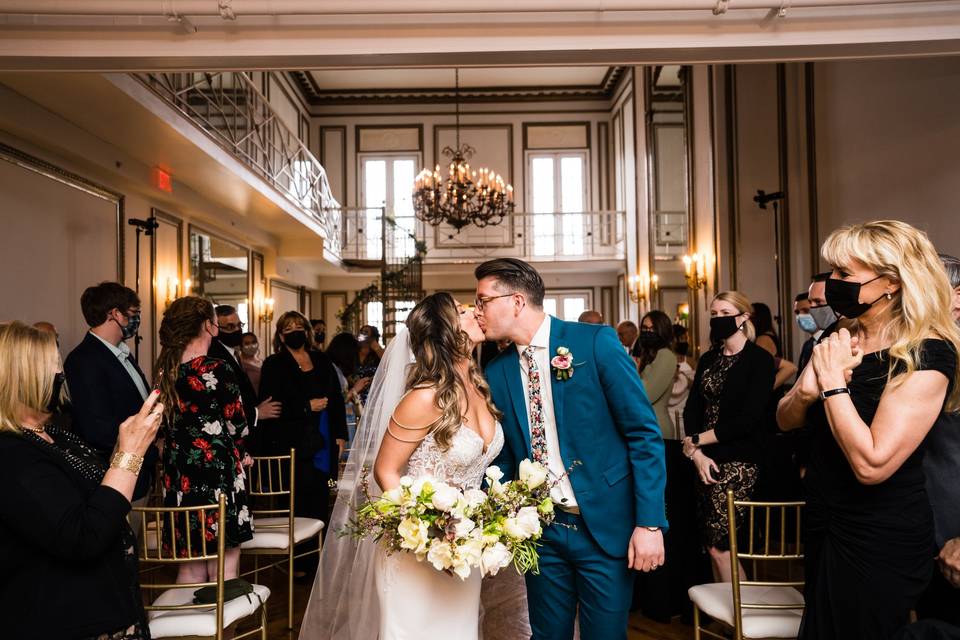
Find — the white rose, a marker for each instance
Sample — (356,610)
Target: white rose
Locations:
(494,474)
(474,498)
(533,474)
(514,529)
(406,481)
(413,533)
(213,428)
(393,496)
(445,497)
(529,521)
(495,558)
(464,527)
(421,485)
(440,555)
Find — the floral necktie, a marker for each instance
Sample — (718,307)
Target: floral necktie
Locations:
(538,436)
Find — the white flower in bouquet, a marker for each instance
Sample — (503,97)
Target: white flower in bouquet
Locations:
(529,521)
(445,497)
(471,552)
(393,496)
(474,498)
(440,555)
(421,485)
(533,474)
(464,527)
(413,533)
(513,528)
(406,481)
(462,568)
(495,558)
(494,474)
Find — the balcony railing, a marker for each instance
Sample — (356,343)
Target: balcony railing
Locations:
(587,235)
(230,108)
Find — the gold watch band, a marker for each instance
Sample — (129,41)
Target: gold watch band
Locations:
(127,462)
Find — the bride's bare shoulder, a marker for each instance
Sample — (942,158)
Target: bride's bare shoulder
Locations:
(418,409)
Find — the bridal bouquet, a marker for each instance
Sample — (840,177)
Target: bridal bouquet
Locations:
(459,531)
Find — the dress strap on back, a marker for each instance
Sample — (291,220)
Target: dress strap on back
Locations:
(429,426)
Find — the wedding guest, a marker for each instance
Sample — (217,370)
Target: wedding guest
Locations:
(767,337)
(658,366)
(684,378)
(822,314)
(204,428)
(313,418)
(342,352)
(106,383)
(941,466)
(368,356)
(628,333)
(48,327)
(591,317)
(69,567)
(724,417)
(223,347)
(873,391)
(319,333)
(250,358)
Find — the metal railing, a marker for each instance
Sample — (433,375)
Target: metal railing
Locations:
(587,235)
(230,108)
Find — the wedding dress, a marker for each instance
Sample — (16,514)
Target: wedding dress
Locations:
(416,600)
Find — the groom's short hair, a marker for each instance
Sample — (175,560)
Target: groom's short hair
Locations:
(516,275)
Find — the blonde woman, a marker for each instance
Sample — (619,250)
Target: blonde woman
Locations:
(724,419)
(870,395)
(69,570)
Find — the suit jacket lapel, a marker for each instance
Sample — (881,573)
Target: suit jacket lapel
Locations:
(514,382)
(556,386)
(117,365)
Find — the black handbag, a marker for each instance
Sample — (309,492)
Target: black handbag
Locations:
(232,588)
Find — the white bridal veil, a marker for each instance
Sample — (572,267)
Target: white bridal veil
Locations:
(343,604)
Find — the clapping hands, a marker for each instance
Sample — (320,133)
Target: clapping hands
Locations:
(835,358)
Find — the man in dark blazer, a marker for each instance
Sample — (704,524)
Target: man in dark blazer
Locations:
(222,347)
(106,384)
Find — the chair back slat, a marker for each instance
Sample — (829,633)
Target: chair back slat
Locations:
(784,547)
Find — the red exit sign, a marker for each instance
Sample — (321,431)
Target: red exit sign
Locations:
(162,180)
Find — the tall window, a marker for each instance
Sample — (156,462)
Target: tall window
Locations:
(558,186)
(388,182)
(375,315)
(567,305)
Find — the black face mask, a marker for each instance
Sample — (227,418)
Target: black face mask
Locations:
(320,337)
(651,340)
(54,405)
(682,348)
(231,339)
(844,297)
(295,339)
(133,324)
(722,327)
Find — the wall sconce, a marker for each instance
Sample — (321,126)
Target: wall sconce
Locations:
(694,269)
(266,311)
(641,288)
(173,290)
(187,286)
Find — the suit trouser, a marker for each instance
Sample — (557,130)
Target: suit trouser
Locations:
(577,575)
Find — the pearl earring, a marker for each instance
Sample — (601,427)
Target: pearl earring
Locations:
(889,296)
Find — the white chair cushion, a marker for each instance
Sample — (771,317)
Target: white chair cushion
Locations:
(274,533)
(716,600)
(152,539)
(200,622)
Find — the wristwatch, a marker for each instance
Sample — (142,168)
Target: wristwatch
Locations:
(695,439)
(652,528)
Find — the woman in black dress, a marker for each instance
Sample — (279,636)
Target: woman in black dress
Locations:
(870,395)
(312,419)
(67,552)
(723,420)
(203,455)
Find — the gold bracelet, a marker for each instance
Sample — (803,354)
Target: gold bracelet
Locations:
(127,461)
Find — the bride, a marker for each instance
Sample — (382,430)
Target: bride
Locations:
(429,414)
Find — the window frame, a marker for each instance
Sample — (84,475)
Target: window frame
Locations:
(557,155)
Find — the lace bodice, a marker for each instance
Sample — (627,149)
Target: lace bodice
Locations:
(462,464)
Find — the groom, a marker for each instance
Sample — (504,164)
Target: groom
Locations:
(599,417)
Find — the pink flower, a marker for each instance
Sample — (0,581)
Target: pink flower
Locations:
(561,362)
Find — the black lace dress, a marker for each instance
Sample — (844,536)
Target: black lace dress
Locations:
(869,548)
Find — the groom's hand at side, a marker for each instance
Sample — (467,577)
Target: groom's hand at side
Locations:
(645,552)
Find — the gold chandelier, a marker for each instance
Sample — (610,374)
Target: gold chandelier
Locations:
(466,197)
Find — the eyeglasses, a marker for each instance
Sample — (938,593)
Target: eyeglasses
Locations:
(232,327)
(481,301)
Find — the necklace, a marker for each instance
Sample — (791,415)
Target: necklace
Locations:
(40,429)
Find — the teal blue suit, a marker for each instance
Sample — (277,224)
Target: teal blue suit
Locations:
(605,423)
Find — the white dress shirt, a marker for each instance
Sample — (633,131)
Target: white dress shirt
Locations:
(122,352)
(562,494)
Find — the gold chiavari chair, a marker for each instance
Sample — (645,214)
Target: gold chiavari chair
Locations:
(173,614)
(277,531)
(770,608)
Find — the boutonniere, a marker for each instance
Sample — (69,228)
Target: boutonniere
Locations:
(562,364)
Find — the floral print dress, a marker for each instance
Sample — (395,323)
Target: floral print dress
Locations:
(203,453)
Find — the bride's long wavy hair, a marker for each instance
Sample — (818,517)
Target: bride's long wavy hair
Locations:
(439,344)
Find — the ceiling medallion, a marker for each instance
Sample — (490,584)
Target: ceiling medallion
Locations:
(465,197)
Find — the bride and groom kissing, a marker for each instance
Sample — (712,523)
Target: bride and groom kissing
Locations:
(563,393)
